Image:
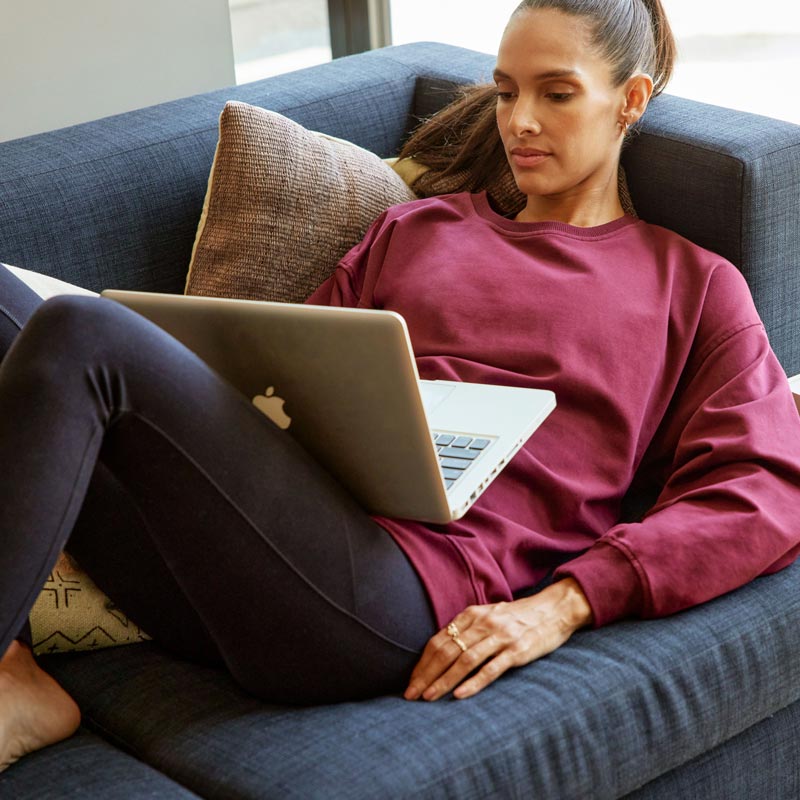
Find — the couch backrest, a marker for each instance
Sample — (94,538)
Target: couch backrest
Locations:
(116,202)
(727,180)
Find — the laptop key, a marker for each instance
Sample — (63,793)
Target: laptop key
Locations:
(448,484)
(451,474)
(454,463)
(462,441)
(444,439)
(479,444)
(459,452)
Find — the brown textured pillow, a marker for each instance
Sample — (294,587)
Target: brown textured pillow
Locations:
(284,204)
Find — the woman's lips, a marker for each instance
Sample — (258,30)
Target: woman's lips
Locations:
(527,157)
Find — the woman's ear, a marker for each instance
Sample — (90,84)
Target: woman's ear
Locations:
(638,91)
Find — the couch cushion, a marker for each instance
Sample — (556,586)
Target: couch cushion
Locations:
(86,767)
(283,205)
(610,711)
(755,765)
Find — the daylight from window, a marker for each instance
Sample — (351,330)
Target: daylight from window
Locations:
(275,36)
(731,52)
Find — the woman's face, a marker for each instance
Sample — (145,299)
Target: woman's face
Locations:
(557,111)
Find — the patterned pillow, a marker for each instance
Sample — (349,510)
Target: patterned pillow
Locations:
(71,613)
(283,205)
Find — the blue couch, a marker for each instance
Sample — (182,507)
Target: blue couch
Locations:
(702,704)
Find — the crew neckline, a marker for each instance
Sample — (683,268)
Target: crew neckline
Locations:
(483,208)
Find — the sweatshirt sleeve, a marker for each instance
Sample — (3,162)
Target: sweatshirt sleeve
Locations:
(354,275)
(729,509)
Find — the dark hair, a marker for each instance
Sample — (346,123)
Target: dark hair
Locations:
(461,143)
(633,35)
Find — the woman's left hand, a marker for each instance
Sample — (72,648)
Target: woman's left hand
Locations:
(498,636)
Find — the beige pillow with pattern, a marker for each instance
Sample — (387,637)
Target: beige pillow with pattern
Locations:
(71,613)
(283,205)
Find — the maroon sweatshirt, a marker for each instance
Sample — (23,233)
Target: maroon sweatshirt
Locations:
(662,372)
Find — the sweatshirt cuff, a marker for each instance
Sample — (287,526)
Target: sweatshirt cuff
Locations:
(609,581)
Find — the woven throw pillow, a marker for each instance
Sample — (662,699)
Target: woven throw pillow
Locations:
(71,613)
(283,205)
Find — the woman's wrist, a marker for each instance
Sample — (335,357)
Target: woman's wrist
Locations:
(578,611)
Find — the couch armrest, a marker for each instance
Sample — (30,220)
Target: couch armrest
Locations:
(730,182)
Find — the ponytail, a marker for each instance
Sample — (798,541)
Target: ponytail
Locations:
(463,152)
(666,49)
(633,35)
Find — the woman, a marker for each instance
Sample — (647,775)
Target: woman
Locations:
(660,364)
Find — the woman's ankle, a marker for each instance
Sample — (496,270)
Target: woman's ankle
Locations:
(34,710)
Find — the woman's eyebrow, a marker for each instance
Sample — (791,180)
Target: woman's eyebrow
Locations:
(542,76)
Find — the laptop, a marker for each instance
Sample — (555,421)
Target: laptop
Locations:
(344,383)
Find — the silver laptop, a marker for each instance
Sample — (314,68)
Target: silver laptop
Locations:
(343,381)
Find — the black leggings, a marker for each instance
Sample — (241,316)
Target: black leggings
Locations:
(214,530)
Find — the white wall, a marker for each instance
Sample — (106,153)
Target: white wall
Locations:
(69,61)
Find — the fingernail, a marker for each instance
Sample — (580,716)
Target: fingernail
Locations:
(429,693)
(412,693)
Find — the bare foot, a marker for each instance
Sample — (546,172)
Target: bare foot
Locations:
(34,710)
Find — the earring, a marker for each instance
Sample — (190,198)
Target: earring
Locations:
(624,124)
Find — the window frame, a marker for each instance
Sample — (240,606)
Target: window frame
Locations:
(358,25)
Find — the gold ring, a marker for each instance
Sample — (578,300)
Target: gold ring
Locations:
(455,635)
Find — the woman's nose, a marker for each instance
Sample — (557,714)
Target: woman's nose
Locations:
(524,120)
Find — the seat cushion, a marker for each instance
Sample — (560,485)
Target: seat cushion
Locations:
(759,763)
(607,713)
(86,767)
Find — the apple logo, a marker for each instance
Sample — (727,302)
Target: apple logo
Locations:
(272,406)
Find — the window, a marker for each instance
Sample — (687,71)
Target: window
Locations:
(274,36)
(730,55)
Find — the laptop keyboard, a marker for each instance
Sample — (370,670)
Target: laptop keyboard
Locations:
(457,453)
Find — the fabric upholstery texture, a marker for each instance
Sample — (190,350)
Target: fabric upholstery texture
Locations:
(283,206)
(706,697)
(727,771)
(600,718)
(115,203)
(728,181)
(87,767)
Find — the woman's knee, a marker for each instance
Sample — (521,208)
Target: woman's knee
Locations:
(67,324)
